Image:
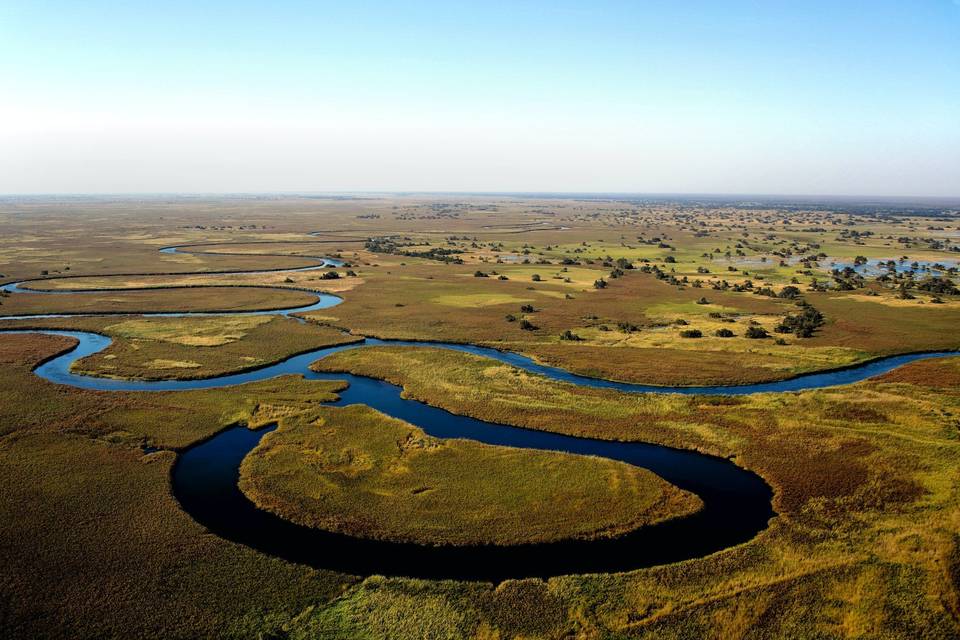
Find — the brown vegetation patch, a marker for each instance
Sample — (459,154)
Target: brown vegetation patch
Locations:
(851,411)
(936,373)
(523,608)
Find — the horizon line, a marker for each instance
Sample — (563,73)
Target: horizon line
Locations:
(509,193)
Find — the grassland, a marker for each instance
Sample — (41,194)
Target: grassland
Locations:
(866,477)
(203,347)
(867,490)
(426,301)
(156,300)
(189,348)
(356,471)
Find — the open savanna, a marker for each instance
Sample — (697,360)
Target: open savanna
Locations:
(631,324)
(359,472)
(401,296)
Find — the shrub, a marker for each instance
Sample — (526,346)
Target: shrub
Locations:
(570,335)
(724,333)
(526,325)
(535,277)
(600,284)
(756,333)
(802,324)
(691,333)
(479,274)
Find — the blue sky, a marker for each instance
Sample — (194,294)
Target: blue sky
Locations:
(720,97)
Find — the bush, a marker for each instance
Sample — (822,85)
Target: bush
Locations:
(526,325)
(703,301)
(527,308)
(691,333)
(756,333)
(600,284)
(802,324)
(535,277)
(570,335)
(724,333)
(479,274)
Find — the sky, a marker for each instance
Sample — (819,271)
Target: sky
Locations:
(771,97)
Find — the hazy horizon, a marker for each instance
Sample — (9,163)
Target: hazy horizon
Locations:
(820,100)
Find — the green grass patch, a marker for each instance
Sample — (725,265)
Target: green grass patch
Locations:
(472,300)
(359,472)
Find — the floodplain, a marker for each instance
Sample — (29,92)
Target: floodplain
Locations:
(864,540)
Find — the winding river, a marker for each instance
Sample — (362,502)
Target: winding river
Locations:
(737,502)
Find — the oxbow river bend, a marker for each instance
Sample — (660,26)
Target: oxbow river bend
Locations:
(737,502)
